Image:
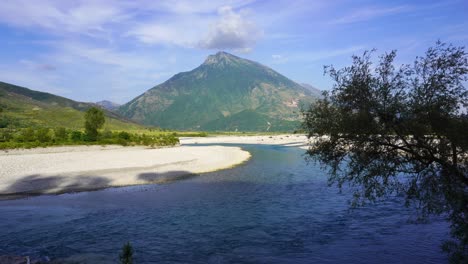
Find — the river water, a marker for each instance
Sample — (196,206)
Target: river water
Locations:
(275,208)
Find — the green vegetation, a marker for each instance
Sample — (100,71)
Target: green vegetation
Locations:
(225,93)
(22,107)
(400,131)
(31,119)
(44,137)
(126,256)
(94,120)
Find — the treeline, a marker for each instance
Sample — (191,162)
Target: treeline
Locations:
(43,137)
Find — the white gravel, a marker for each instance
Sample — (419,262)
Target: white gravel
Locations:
(61,169)
(288,140)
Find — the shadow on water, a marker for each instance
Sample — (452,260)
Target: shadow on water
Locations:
(166,177)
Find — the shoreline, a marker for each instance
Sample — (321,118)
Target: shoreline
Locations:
(64,169)
(72,169)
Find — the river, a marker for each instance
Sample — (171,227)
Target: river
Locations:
(275,208)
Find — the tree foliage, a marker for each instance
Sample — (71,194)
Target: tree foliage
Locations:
(126,256)
(94,120)
(390,130)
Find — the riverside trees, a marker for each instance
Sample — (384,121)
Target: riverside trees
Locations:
(94,120)
(388,130)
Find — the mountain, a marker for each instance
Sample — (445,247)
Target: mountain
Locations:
(315,91)
(22,107)
(111,106)
(224,93)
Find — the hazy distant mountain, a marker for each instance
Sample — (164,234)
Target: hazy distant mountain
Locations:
(224,93)
(22,107)
(111,106)
(315,91)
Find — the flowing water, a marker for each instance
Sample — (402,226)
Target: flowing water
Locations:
(273,209)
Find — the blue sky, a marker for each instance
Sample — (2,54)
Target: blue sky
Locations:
(90,50)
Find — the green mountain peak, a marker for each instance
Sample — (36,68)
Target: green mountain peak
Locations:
(226,92)
(222,59)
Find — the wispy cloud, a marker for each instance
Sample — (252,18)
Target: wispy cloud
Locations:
(61,17)
(171,31)
(316,55)
(368,13)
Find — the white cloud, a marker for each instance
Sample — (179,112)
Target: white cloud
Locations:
(232,31)
(227,29)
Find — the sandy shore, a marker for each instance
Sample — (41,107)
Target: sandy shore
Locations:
(78,168)
(61,169)
(288,140)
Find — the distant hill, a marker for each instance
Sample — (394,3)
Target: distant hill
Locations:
(111,106)
(224,93)
(315,91)
(22,107)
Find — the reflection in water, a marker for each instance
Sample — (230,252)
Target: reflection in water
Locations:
(273,209)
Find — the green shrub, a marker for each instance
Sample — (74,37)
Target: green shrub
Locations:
(27,135)
(61,134)
(42,135)
(76,136)
(107,134)
(126,256)
(5,135)
(4,122)
(124,135)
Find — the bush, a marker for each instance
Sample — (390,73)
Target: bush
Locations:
(61,134)
(76,136)
(42,135)
(126,257)
(27,135)
(5,135)
(4,122)
(107,134)
(124,135)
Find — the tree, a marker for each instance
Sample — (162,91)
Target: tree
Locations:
(399,131)
(94,120)
(126,256)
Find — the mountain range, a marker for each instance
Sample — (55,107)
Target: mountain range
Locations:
(225,93)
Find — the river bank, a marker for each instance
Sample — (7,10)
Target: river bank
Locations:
(79,168)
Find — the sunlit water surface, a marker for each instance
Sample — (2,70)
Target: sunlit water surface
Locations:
(273,209)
